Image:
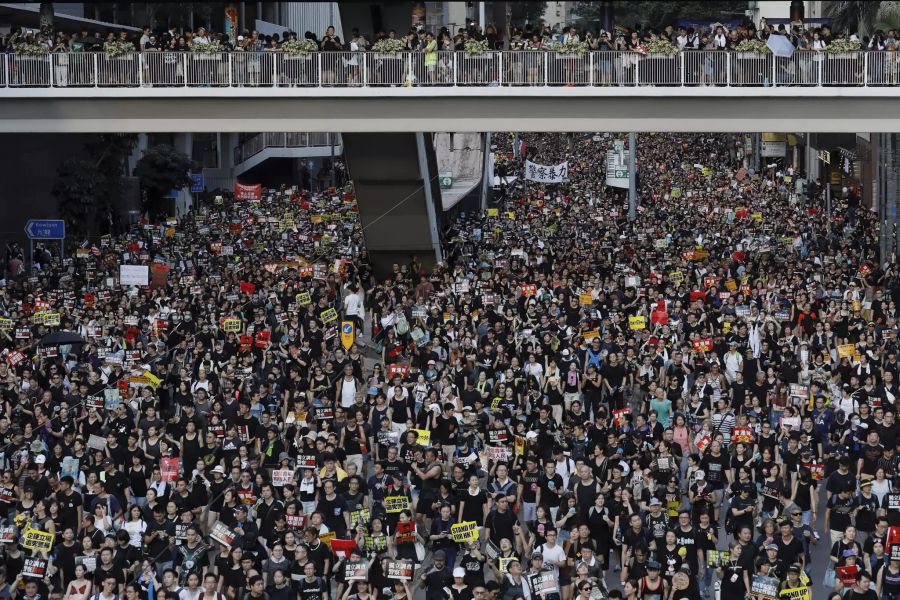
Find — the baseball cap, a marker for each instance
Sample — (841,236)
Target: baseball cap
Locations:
(655,502)
(459,572)
(440,555)
(699,474)
(772,547)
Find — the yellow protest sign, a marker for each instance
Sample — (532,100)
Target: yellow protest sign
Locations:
(38,318)
(675,193)
(591,334)
(37,540)
(846,350)
(493,212)
(6,324)
(328,315)
(424,436)
(326,538)
(730,285)
(756,217)
(315,219)
(801,593)
(585,299)
(519,445)
(152,380)
(676,276)
(231,325)
(511,215)
(303,298)
(395,504)
(637,323)
(467,531)
(348,334)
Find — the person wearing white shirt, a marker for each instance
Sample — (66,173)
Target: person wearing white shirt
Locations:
(553,553)
(354,308)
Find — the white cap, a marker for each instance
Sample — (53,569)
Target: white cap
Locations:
(40,459)
(459,572)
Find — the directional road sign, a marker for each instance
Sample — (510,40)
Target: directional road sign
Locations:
(46,229)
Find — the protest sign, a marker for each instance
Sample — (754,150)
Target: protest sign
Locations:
(359,517)
(247,192)
(801,593)
(37,540)
(168,468)
(328,315)
(399,569)
(637,323)
(34,568)
(764,588)
(423,436)
(282,477)
(544,583)
(356,570)
(546,173)
(134,275)
(467,531)
(96,442)
(8,534)
(222,534)
(395,504)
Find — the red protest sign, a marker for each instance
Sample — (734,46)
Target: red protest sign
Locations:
(261,339)
(247,192)
(702,345)
(247,287)
(168,467)
(245,342)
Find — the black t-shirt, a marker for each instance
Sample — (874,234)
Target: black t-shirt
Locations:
(791,551)
(501,525)
(733,579)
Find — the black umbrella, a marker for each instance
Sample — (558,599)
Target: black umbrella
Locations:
(61,338)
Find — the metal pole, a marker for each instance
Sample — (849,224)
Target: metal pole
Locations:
(632,183)
(429,200)
(488,173)
(828,199)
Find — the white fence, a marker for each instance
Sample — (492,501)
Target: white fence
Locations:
(514,68)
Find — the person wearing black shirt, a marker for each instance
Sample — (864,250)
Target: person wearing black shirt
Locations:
(838,512)
(501,523)
(70,504)
(438,578)
(734,575)
(790,548)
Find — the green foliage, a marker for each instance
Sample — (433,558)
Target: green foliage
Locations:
(162,169)
(649,14)
(527,13)
(852,16)
(88,187)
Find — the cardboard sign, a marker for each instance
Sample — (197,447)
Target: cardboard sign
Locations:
(742,434)
(585,299)
(37,540)
(893,501)
(528,289)
(282,477)
(222,534)
(306,461)
(96,442)
(544,583)
(168,468)
(328,315)
(467,531)
(356,570)
(395,504)
(303,298)
(847,351)
(399,569)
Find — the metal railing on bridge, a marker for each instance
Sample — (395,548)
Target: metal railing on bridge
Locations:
(416,69)
(277,139)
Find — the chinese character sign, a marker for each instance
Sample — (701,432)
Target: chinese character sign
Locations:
(546,173)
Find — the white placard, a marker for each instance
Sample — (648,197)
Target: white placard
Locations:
(134,274)
(546,173)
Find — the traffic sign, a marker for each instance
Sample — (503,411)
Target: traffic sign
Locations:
(46,229)
(198,184)
(825,156)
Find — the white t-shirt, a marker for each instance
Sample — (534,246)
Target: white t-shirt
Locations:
(556,553)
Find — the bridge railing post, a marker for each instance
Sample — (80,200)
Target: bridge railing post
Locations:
(681,67)
(500,68)
(590,69)
(96,67)
(865,69)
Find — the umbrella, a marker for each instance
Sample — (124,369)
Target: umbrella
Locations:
(61,338)
(780,46)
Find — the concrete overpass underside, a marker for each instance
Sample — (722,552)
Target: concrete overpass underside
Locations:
(449,109)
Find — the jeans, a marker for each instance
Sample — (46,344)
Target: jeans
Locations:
(706,581)
(528,512)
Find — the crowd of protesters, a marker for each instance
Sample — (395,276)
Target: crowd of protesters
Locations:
(572,404)
(714,37)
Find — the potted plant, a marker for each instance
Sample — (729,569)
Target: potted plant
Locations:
(302,47)
(27,49)
(389,47)
(118,49)
(210,47)
(570,48)
(843,49)
(659,56)
(475,48)
(752,50)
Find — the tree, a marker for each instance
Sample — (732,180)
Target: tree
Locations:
(526,13)
(87,188)
(853,16)
(162,169)
(657,15)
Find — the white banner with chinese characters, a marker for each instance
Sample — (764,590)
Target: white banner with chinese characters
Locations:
(546,173)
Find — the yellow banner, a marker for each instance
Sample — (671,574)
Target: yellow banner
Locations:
(37,540)
(395,504)
(152,380)
(467,531)
(493,212)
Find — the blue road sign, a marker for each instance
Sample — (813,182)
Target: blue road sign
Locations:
(347,328)
(46,229)
(197,182)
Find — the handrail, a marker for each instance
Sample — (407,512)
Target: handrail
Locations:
(259,142)
(690,68)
